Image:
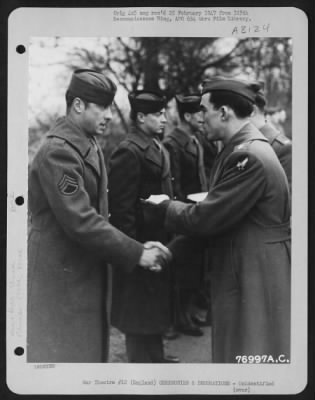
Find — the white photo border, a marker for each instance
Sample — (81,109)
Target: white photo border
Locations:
(28,378)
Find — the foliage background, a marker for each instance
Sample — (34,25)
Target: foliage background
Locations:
(170,64)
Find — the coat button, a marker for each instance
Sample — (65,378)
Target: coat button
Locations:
(109,215)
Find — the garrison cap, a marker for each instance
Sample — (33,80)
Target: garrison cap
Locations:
(92,86)
(245,89)
(168,94)
(258,88)
(188,103)
(147,101)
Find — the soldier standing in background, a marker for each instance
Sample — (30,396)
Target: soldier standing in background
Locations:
(185,146)
(70,238)
(139,168)
(276,117)
(281,144)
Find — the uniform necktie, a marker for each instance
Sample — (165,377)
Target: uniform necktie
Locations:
(166,170)
(201,165)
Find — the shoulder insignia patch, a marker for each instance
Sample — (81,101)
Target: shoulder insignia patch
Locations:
(68,186)
(242,164)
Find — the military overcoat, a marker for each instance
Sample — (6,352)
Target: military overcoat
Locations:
(246,218)
(184,163)
(186,180)
(282,147)
(70,242)
(141,298)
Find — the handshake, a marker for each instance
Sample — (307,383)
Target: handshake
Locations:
(154,256)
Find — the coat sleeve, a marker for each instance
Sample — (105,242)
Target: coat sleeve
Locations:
(61,169)
(285,158)
(123,183)
(175,158)
(242,183)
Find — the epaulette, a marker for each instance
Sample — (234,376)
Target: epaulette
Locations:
(282,139)
(57,138)
(243,146)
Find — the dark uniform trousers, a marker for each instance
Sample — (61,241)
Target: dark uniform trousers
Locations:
(144,348)
(138,168)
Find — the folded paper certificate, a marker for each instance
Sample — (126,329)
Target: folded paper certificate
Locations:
(157,198)
(196,197)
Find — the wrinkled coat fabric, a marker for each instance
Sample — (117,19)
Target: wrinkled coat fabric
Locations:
(246,219)
(70,242)
(282,147)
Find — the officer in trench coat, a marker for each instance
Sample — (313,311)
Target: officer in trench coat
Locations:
(138,168)
(281,144)
(246,219)
(70,237)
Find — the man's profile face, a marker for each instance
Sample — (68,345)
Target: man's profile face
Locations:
(196,121)
(154,123)
(212,118)
(95,118)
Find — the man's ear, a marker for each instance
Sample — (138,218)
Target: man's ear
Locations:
(187,117)
(78,105)
(224,113)
(255,111)
(140,117)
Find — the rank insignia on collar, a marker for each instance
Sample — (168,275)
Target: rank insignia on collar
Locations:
(241,164)
(68,186)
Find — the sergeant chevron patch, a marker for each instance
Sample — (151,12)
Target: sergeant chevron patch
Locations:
(242,164)
(68,186)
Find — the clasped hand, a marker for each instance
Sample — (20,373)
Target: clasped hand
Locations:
(154,256)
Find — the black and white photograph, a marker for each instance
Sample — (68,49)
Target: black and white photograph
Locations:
(163,180)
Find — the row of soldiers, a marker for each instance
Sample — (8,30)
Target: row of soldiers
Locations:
(83,268)
(178,165)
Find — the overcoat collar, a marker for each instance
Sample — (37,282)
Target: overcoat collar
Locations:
(145,143)
(72,134)
(181,136)
(269,132)
(140,138)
